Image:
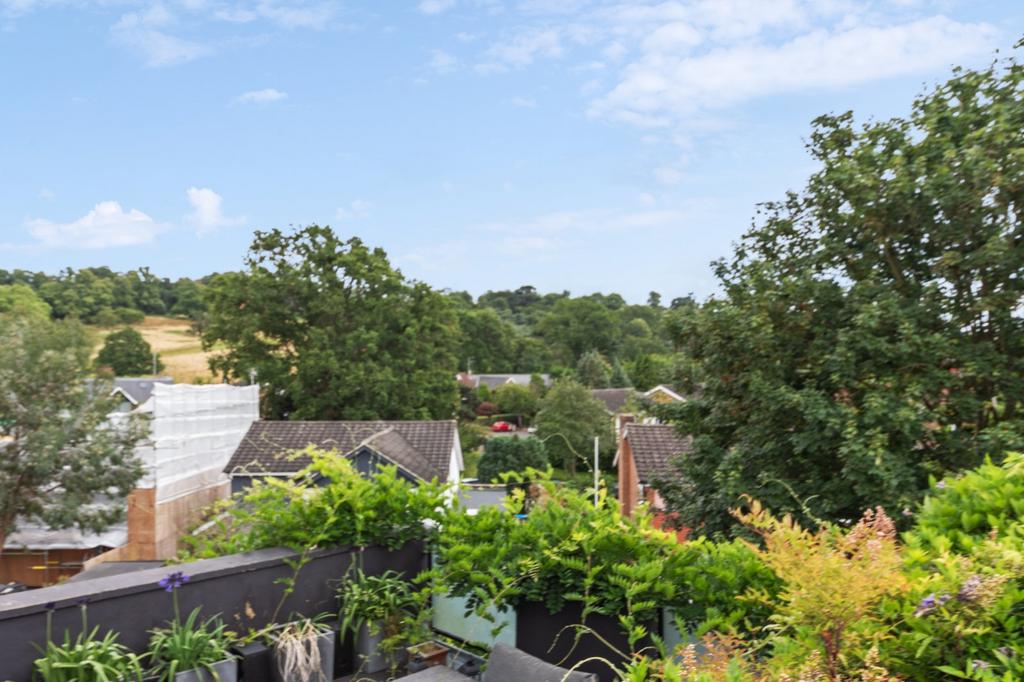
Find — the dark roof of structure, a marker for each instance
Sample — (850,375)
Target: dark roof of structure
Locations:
(653,447)
(139,390)
(614,399)
(423,448)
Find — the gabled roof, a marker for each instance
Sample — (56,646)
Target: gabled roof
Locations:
(391,445)
(654,446)
(614,399)
(424,448)
(138,390)
(663,394)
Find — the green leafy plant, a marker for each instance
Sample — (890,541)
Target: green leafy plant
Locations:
(385,605)
(85,658)
(511,454)
(328,504)
(191,645)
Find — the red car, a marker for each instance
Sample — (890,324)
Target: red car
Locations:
(502,426)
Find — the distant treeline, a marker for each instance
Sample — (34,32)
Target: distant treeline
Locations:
(501,331)
(105,297)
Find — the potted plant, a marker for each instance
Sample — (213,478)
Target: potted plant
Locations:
(193,651)
(383,614)
(87,657)
(303,652)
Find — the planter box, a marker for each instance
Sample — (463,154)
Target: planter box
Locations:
(369,658)
(426,655)
(325,644)
(536,630)
(225,671)
(254,661)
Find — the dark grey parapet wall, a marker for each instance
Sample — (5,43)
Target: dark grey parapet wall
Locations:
(241,588)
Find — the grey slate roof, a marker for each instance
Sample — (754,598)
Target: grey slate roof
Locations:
(653,447)
(492,381)
(139,390)
(422,447)
(614,399)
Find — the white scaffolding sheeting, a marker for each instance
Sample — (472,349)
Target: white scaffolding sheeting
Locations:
(193,433)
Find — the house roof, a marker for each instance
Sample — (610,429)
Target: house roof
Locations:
(138,390)
(653,447)
(423,448)
(613,399)
(492,381)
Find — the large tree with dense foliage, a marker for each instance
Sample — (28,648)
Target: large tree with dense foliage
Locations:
(333,331)
(62,461)
(870,333)
(508,453)
(128,354)
(569,419)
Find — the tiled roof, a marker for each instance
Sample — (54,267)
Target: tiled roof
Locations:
(392,445)
(265,447)
(653,447)
(613,399)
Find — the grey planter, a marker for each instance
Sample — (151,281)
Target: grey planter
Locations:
(226,671)
(369,658)
(325,643)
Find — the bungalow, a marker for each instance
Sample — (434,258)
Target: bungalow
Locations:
(422,450)
(493,381)
(645,454)
(623,404)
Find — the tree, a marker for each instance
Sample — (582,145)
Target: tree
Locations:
(569,419)
(577,325)
(619,378)
(333,331)
(487,343)
(593,371)
(60,453)
(654,299)
(870,333)
(19,300)
(511,454)
(513,399)
(127,354)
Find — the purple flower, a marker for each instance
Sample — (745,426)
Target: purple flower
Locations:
(930,603)
(941,485)
(1006,651)
(969,590)
(173,581)
(980,665)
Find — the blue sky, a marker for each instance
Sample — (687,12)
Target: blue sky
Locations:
(569,144)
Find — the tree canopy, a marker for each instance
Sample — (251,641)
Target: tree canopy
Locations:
(870,331)
(127,354)
(63,462)
(569,419)
(333,331)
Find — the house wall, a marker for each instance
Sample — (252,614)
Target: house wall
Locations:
(42,567)
(629,484)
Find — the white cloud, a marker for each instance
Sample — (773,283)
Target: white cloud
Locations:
(521,50)
(436,6)
(592,221)
(524,102)
(207,214)
(144,32)
(355,210)
(264,96)
(106,226)
(442,62)
(667,83)
(47,194)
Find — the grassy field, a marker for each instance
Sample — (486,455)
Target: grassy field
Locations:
(179,348)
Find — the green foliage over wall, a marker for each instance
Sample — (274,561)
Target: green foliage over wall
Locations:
(503,454)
